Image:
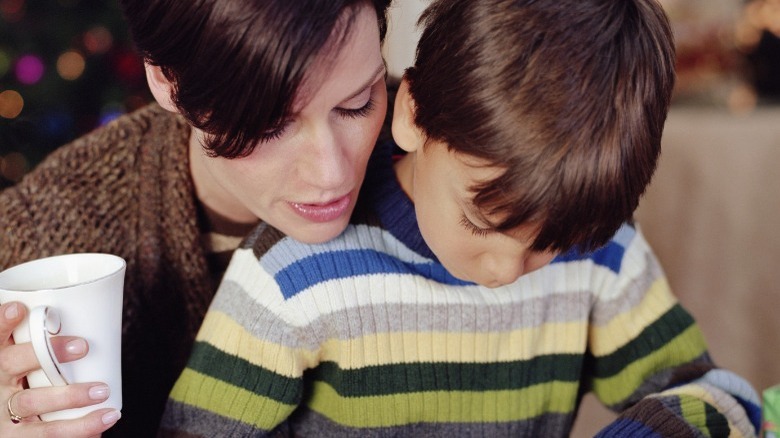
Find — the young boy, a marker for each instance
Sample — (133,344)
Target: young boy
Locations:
(491,276)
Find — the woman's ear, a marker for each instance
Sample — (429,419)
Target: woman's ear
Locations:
(405,132)
(160,86)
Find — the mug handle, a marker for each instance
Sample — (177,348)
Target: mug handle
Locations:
(45,321)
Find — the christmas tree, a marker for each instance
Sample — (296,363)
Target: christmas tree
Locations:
(66,68)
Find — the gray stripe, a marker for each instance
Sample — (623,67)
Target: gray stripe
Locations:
(390,318)
(182,420)
(634,293)
(307,423)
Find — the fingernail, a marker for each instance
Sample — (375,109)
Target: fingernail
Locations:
(12,311)
(99,392)
(76,346)
(111,417)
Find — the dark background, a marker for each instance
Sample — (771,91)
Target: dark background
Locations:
(35,34)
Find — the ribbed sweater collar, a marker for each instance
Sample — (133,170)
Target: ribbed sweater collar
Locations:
(394,208)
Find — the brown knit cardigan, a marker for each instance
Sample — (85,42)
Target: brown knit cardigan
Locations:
(124,189)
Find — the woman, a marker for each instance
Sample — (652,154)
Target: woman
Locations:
(266,111)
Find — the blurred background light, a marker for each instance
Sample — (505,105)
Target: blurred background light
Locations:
(12,10)
(29,69)
(5,62)
(70,65)
(13,166)
(111,111)
(98,40)
(11,104)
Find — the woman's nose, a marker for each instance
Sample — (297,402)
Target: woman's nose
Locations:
(324,163)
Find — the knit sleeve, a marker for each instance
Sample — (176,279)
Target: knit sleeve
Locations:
(80,198)
(649,362)
(17,236)
(41,215)
(245,374)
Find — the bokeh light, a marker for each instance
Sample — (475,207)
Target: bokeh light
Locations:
(5,62)
(129,68)
(110,111)
(70,65)
(57,123)
(29,69)
(98,40)
(13,166)
(12,10)
(11,104)
(67,66)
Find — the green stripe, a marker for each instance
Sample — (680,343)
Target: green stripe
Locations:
(444,406)
(206,393)
(686,347)
(209,360)
(387,379)
(693,410)
(418,377)
(717,423)
(653,337)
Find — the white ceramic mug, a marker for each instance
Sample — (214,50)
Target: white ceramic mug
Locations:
(71,295)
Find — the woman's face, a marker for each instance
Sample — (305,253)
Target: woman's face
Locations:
(304,179)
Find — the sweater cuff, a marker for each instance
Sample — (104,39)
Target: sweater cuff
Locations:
(670,416)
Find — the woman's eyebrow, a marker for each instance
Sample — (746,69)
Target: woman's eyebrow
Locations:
(369,82)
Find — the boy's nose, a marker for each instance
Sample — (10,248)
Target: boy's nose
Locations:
(501,270)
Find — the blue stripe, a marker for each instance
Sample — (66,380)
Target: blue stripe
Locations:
(753,412)
(609,255)
(321,267)
(624,427)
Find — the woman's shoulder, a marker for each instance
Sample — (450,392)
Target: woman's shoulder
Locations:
(96,183)
(118,147)
(148,128)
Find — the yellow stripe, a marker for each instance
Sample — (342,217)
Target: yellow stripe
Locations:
(444,406)
(626,326)
(687,346)
(413,347)
(700,393)
(198,390)
(221,331)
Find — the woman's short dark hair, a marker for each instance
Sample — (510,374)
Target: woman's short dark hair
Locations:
(569,96)
(236,65)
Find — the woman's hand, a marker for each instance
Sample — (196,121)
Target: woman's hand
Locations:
(20,407)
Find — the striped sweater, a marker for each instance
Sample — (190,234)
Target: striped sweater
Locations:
(368,335)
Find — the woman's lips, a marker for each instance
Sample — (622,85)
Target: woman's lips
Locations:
(322,212)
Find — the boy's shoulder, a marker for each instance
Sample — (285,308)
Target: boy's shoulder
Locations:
(613,254)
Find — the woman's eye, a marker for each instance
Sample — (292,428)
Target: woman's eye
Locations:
(274,133)
(354,113)
(475,230)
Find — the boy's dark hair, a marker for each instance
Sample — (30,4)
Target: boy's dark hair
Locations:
(236,65)
(569,96)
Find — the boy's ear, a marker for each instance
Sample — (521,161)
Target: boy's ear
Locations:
(405,131)
(160,86)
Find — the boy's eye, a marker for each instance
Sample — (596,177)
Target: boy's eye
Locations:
(354,113)
(475,230)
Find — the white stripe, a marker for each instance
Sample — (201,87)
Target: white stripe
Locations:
(375,289)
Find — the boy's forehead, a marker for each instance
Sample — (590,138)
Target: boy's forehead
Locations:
(475,170)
